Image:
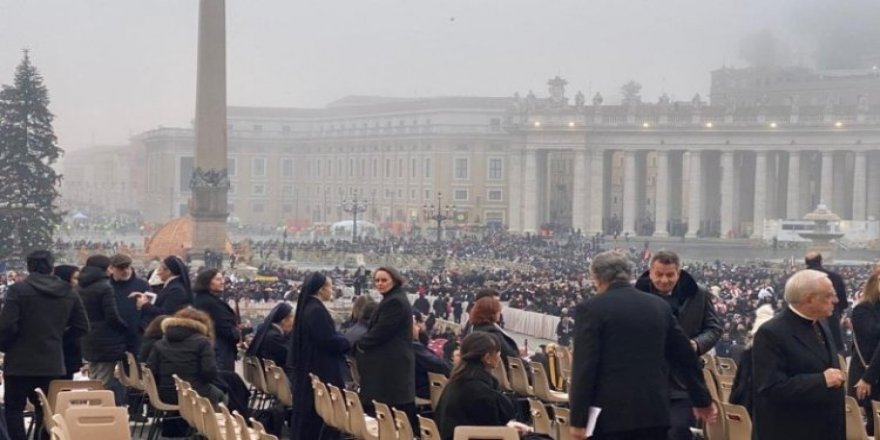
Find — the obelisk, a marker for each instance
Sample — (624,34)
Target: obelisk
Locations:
(210,181)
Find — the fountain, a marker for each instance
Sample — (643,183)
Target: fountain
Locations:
(823,233)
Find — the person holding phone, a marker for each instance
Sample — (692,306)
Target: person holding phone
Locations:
(176,292)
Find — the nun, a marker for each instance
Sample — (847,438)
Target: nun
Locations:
(272,338)
(176,291)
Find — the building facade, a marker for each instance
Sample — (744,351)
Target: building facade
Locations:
(679,168)
(103,180)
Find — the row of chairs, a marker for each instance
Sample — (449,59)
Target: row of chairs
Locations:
(269,383)
(516,379)
(199,414)
(76,410)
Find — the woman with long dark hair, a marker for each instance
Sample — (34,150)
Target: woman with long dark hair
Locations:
(316,348)
(208,287)
(72,347)
(864,370)
(472,396)
(176,291)
(384,355)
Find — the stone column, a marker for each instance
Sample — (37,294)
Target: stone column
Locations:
(661,200)
(530,192)
(873,190)
(579,215)
(760,209)
(514,191)
(860,182)
(210,181)
(629,192)
(597,190)
(793,198)
(727,192)
(695,188)
(826,194)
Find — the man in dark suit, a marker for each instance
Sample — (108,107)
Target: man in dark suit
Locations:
(624,344)
(813,260)
(798,382)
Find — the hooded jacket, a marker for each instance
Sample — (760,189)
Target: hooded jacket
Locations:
(696,315)
(187,351)
(35,316)
(105,342)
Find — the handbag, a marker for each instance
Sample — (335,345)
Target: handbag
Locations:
(865,365)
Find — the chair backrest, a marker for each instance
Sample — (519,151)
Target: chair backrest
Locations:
(183,402)
(323,405)
(261,431)
(540,419)
(55,433)
(855,428)
(48,423)
(711,383)
(563,422)
(59,385)
(257,375)
(709,361)
(428,429)
(519,379)
(152,391)
(271,383)
(501,375)
(356,420)
(718,429)
(436,383)
(282,386)
(58,423)
(352,368)
(404,427)
(725,388)
(340,411)
(134,372)
(725,366)
(267,363)
(245,433)
(70,399)
(485,433)
(540,384)
(739,424)
(98,422)
(211,427)
(387,430)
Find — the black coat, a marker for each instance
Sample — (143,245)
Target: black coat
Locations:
(866,327)
(226,332)
(475,401)
(127,309)
(173,297)
(508,345)
(840,307)
(187,351)
(422,305)
(791,398)
(275,346)
(106,341)
(384,354)
(427,362)
(624,345)
(743,389)
(35,315)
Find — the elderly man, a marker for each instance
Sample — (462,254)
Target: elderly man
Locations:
(624,343)
(797,377)
(693,308)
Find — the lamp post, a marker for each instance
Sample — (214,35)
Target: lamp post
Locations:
(438,214)
(354,207)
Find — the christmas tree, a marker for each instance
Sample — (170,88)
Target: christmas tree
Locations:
(28,148)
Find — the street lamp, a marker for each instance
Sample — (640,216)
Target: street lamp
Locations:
(354,207)
(438,214)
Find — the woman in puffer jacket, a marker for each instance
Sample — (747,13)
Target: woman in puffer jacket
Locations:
(187,350)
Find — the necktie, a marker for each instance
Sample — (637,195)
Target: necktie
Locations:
(818,331)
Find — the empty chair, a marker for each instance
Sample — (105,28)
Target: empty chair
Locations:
(97,422)
(362,426)
(718,429)
(562,416)
(282,386)
(436,383)
(340,411)
(519,379)
(59,426)
(428,429)
(485,433)
(323,404)
(260,430)
(387,430)
(711,383)
(541,386)
(501,375)
(59,385)
(540,420)
(725,366)
(70,399)
(161,408)
(725,387)
(213,428)
(48,422)
(739,424)
(401,422)
(855,428)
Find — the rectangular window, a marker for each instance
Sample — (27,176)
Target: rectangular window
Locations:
(387,168)
(414,166)
(494,195)
(494,218)
(495,125)
(400,168)
(351,168)
(287,190)
(287,168)
(461,169)
(428,168)
(375,168)
(413,194)
(230,167)
(259,207)
(427,194)
(259,189)
(496,168)
(186,172)
(460,195)
(259,167)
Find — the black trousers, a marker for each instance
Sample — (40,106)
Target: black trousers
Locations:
(681,418)
(20,389)
(638,434)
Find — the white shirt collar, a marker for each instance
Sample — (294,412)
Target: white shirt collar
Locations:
(169,280)
(796,312)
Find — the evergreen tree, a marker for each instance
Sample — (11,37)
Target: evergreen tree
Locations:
(28,148)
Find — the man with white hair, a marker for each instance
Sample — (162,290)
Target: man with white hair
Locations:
(798,382)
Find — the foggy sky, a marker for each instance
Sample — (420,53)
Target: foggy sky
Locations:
(116,68)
